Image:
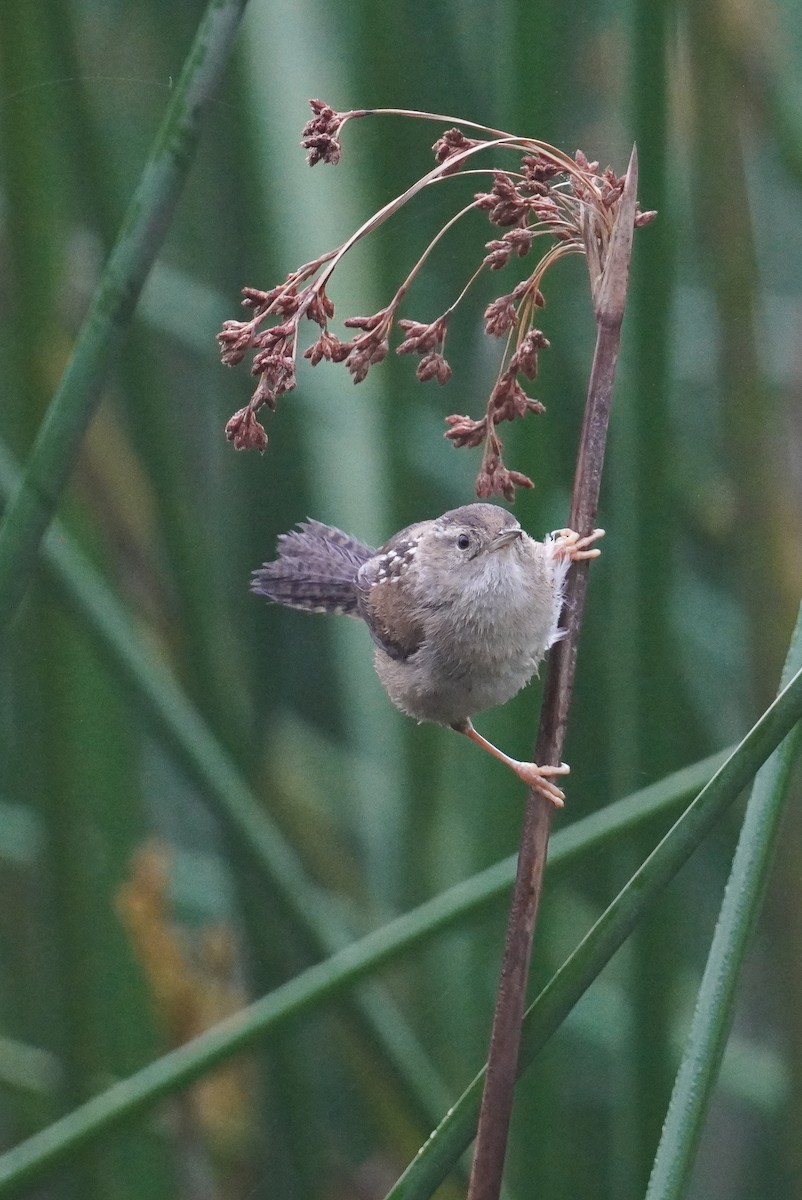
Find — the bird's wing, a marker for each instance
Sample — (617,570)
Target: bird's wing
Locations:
(394,624)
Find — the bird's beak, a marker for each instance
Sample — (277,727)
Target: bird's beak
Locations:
(505,538)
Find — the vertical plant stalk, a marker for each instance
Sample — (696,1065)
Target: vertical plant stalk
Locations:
(712,1018)
(145,225)
(502,1065)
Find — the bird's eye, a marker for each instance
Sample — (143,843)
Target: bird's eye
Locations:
(463,541)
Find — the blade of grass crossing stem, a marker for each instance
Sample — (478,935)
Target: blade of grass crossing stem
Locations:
(143,231)
(565,989)
(713,1014)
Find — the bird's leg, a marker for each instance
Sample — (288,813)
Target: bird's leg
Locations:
(536,777)
(568,544)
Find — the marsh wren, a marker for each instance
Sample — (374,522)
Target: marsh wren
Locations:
(462,609)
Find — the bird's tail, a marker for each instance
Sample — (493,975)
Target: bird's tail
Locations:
(315,570)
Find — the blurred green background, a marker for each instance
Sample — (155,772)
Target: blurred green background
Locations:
(131,917)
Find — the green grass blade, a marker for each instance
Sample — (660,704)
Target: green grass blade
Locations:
(713,1014)
(454,1134)
(642,488)
(143,230)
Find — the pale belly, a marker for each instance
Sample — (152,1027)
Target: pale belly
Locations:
(448,688)
(482,650)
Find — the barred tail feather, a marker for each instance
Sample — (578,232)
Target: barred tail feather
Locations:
(315,570)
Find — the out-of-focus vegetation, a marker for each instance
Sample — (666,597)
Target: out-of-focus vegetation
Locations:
(200,797)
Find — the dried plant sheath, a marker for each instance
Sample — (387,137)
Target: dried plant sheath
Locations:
(609,294)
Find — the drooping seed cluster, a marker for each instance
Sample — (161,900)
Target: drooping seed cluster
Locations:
(547,194)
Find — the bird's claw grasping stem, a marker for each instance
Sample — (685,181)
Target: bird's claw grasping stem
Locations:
(567,543)
(536,777)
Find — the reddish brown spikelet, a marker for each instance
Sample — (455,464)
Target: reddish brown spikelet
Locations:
(451,143)
(524,360)
(329,347)
(281,300)
(504,203)
(320,132)
(516,241)
(320,308)
(256,298)
(367,350)
(500,316)
(433,366)
(245,432)
(367,323)
(234,340)
(537,168)
(509,401)
(495,479)
(464,431)
(419,337)
(277,372)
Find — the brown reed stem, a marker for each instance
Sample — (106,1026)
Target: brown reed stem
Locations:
(609,298)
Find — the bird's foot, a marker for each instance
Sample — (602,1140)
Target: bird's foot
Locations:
(536,777)
(568,544)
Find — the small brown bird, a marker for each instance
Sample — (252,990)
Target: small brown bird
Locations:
(462,609)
